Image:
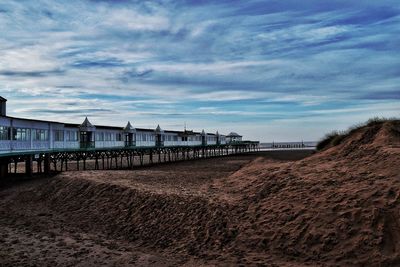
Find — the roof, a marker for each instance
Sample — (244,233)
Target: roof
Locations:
(109,127)
(25,119)
(119,128)
(158,129)
(86,125)
(233,134)
(2,99)
(129,128)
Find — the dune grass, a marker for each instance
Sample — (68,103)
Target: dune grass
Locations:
(335,138)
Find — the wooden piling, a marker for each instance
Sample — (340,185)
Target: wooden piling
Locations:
(28,165)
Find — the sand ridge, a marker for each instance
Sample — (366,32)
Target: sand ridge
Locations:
(337,207)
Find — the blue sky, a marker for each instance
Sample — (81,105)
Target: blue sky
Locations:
(270,70)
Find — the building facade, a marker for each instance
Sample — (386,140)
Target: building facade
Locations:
(29,134)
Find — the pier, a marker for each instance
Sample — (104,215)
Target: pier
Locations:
(29,163)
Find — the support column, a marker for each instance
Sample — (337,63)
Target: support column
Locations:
(47,163)
(28,165)
(151,156)
(4,167)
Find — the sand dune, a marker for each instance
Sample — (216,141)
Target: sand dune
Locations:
(337,207)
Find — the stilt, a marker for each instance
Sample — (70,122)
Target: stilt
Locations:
(39,165)
(4,168)
(47,163)
(28,166)
(151,157)
(15,165)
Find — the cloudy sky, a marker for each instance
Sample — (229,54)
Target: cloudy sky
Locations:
(270,70)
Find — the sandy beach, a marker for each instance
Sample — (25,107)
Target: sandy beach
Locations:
(338,207)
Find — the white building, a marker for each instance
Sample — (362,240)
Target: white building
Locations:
(233,137)
(31,134)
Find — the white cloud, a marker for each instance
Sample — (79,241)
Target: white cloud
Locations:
(127,19)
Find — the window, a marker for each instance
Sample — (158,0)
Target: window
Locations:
(99,136)
(107,137)
(21,134)
(119,137)
(175,138)
(58,135)
(72,136)
(40,135)
(4,133)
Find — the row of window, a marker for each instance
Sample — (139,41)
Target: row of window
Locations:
(145,137)
(37,135)
(4,133)
(24,134)
(191,138)
(171,138)
(105,136)
(71,136)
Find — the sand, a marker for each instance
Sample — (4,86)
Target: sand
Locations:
(338,207)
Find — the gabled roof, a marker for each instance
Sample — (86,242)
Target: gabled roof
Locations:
(87,126)
(233,134)
(129,128)
(158,129)
(2,99)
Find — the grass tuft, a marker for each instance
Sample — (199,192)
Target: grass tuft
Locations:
(335,138)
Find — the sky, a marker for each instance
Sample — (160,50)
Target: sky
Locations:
(270,70)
